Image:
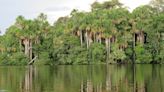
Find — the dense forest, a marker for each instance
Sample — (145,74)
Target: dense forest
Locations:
(109,33)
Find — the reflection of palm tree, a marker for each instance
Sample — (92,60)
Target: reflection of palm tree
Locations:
(108,80)
(99,88)
(82,87)
(86,86)
(27,83)
(134,77)
(89,86)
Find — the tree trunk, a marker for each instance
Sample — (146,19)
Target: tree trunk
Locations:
(142,38)
(134,47)
(107,51)
(26,47)
(90,41)
(86,35)
(108,44)
(81,38)
(100,40)
(20,45)
(30,49)
(95,38)
(90,38)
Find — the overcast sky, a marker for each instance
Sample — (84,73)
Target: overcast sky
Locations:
(10,9)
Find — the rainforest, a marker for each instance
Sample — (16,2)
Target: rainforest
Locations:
(109,34)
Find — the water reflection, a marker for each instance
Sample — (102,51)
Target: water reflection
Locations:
(91,78)
(27,83)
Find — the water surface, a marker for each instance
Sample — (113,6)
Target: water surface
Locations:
(82,78)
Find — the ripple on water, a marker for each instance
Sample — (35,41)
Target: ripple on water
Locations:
(3,90)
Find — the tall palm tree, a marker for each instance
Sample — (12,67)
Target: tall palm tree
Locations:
(158,4)
(77,19)
(138,22)
(109,31)
(140,18)
(106,5)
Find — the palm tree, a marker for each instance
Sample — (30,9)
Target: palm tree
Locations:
(28,31)
(77,19)
(141,17)
(109,31)
(158,4)
(106,5)
(138,22)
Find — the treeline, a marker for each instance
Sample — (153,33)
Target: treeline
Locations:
(107,34)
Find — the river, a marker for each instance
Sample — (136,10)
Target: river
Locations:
(82,78)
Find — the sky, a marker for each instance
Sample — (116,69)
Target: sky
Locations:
(10,9)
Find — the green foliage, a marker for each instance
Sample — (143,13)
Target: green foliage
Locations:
(97,53)
(129,53)
(108,32)
(142,55)
(117,55)
(43,59)
(67,50)
(13,59)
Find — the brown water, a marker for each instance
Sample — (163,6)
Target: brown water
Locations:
(82,78)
